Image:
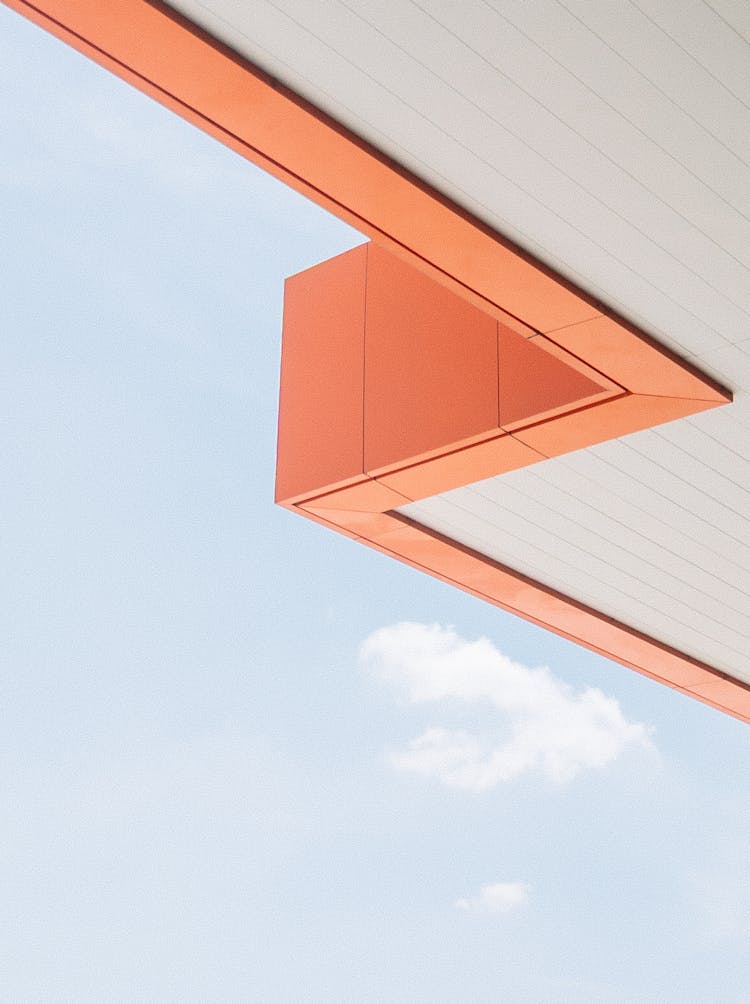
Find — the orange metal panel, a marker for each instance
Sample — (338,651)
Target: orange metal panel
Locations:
(366,496)
(462,467)
(322,377)
(612,418)
(320,518)
(534,382)
(364,525)
(635,361)
(431,365)
(470,295)
(723,694)
(577,363)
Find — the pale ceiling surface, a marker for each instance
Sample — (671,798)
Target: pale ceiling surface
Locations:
(611,139)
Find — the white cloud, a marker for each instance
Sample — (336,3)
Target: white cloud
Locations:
(544,725)
(500,897)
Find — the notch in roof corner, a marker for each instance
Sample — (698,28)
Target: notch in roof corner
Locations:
(393,383)
(394,388)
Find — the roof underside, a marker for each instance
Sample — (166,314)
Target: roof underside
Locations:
(613,142)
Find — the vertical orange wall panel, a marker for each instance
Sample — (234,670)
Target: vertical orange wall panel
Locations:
(431,359)
(322,367)
(532,381)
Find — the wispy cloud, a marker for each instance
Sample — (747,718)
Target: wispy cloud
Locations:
(544,725)
(500,897)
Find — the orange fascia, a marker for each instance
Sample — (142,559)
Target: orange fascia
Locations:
(394,388)
(167,57)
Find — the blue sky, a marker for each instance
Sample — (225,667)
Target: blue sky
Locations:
(227,770)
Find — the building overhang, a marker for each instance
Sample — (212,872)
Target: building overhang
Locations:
(604,378)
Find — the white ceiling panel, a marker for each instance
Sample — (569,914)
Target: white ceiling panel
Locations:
(622,80)
(735,14)
(685,52)
(705,38)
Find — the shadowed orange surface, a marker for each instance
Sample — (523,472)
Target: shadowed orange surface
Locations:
(430,365)
(322,370)
(534,382)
